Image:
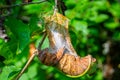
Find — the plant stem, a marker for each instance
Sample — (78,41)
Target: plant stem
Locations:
(32,57)
(55,7)
(22,4)
(26,65)
(41,42)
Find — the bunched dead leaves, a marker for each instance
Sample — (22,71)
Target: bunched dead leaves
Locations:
(61,53)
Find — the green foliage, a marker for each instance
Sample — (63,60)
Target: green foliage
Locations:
(20,31)
(7,72)
(92,22)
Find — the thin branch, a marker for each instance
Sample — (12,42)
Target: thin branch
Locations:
(40,44)
(56,4)
(59,7)
(26,65)
(32,57)
(22,4)
(55,7)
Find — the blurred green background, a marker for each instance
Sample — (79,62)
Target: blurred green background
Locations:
(94,27)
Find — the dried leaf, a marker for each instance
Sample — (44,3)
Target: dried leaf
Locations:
(61,52)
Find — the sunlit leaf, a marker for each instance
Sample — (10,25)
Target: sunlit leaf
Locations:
(6,70)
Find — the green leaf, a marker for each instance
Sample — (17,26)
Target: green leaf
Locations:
(116,35)
(21,32)
(80,26)
(111,25)
(5,51)
(6,72)
(100,4)
(101,18)
(1,41)
(114,9)
(33,23)
(37,8)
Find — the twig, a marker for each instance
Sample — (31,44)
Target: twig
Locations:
(40,44)
(55,7)
(26,65)
(22,4)
(60,7)
(32,57)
